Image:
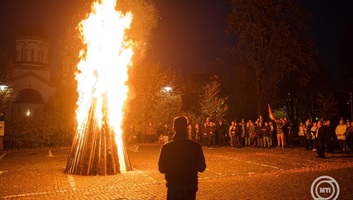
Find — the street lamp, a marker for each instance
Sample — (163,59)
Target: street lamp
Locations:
(3,87)
(167,89)
(28,112)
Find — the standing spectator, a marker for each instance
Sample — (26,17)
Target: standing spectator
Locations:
(301,134)
(350,137)
(222,134)
(239,134)
(320,140)
(308,137)
(272,130)
(252,134)
(314,135)
(211,135)
(258,130)
(166,133)
(205,132)
(197,133)
(290,135)
(215,132)
(266,135)
(330,136)
(285,123)
(280,134)
(160,134)
(232,133)
(242,137)
(247,135)
(181,160)
(242,133)
(341,135)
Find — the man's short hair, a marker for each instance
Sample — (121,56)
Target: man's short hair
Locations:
(180,124)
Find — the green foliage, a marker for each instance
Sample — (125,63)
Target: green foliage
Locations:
(211,104)
(148,101)
(5,94)
(167,107)
(280,113)
(6,97)
(194,118)
(53,125)
(38,131)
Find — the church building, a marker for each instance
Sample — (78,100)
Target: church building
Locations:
(30,77)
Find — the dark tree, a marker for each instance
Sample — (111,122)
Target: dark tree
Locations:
(6,95)
(150,102)
(272,43)
(345,57)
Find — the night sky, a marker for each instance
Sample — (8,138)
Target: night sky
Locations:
(190,32)
(329,22)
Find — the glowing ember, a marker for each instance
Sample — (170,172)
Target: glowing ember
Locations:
(102,76)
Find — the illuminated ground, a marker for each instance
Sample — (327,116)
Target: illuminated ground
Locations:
(247,173)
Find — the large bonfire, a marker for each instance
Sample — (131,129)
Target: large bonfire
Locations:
(98,147)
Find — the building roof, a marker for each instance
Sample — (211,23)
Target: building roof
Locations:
(29,96)
(33,30)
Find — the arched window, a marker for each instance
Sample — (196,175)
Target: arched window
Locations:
(32,54)
(22,52)
(38,56)
(25,58)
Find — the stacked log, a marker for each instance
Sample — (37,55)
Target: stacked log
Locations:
(94,150)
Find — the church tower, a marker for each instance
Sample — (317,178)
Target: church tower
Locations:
(31,72)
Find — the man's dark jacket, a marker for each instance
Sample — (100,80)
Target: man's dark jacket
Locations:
(181,159)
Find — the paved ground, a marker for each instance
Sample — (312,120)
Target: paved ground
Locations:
(246,173)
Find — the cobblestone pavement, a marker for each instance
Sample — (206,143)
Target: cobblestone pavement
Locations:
(245,173)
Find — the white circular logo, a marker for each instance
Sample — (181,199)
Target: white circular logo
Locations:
(325,188)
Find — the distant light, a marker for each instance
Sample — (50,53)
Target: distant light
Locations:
(28,113)
(3,87)
(167,89)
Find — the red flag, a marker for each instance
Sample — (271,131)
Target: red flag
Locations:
(272,117)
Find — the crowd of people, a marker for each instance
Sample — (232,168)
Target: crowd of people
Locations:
(320,135)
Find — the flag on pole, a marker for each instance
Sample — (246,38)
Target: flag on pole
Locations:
(270,114)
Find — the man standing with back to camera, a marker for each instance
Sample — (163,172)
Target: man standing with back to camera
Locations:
(181,159)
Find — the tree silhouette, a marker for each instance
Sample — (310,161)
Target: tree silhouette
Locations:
(211,104)
(272,42)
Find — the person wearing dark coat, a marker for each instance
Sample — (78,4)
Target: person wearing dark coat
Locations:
(180,160)
(321,136)
(222,134)
(330,137)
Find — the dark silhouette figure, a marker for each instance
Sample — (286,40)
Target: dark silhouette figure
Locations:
(181,159)
(321,136)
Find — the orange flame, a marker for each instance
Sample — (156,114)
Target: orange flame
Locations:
(103,70)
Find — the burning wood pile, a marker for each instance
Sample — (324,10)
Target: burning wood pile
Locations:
(98,146)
